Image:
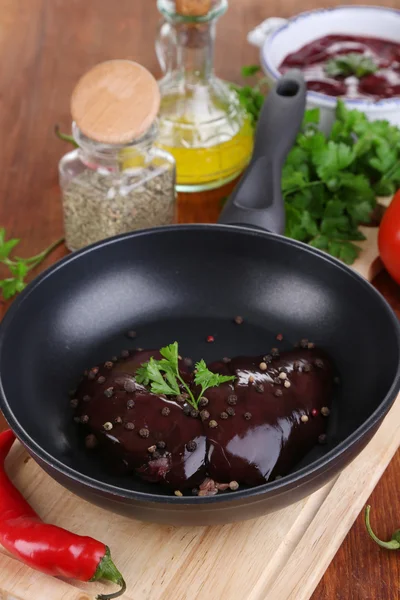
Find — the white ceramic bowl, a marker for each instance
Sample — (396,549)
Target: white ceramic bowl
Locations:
(277,38)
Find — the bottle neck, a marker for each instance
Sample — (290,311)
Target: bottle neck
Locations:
(113,157)
(185,43)
(195,52)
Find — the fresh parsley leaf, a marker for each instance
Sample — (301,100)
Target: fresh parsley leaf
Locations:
(18,267)
(207,379)
(164,377)
(352,63)
(250,70)
(333,158)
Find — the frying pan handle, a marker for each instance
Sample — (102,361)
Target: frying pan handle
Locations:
(257,200)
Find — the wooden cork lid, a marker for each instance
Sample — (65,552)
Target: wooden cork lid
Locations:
(115,102)
(193,8)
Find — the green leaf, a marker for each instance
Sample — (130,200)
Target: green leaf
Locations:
(170,353)
(206,379)
(9,288)
(19,269)
(334,158)
(330,225)
(142,375)
(385,158)
(352,63)
(311,116)
(250,70)
(292,180)
(321,242)
(384,188)
(6,247)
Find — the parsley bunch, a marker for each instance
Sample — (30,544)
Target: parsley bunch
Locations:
(330,183)
(18,267)
(164,377)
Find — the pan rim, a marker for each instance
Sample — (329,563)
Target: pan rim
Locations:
(283,485)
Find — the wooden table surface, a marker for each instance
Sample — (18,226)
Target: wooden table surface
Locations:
(45,45)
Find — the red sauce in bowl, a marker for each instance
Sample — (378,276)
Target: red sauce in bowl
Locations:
(312,59)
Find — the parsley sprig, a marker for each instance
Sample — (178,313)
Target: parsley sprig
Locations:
(352,63)
(163,376)
(18,267)
(330,182)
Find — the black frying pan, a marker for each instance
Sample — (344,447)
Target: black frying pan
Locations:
(184,283)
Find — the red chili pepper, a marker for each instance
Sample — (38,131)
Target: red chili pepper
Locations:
(47,548)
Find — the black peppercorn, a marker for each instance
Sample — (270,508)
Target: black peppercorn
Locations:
(204,415)
(144,432)
(232,399)
(101,379)
(165,411)
(247,416)
(90,441)
(230,411)
(129,386)
(224,415)
(194,413)
(203,402)
(130,404)
(109,392)
(191,446)
(161,445)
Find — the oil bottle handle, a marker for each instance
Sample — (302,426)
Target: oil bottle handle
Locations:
(257,200)
(166,46)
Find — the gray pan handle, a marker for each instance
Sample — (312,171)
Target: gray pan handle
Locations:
(257,200)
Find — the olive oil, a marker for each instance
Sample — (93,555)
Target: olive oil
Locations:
(211,164)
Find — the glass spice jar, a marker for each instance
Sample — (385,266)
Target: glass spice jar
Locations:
(117,180)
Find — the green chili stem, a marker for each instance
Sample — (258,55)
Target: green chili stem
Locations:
(109,572)
(392,544)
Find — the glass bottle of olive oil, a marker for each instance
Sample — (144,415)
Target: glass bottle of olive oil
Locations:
(201,122)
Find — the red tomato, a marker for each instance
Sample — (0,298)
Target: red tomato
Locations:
(389,238)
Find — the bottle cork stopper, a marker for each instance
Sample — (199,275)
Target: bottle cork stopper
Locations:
(193,8)
(115,102)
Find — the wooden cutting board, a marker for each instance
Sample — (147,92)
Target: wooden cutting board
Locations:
(281,556)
